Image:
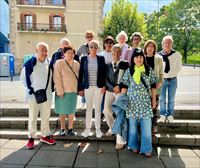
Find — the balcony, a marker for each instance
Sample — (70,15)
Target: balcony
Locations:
(41,3)
(41,27)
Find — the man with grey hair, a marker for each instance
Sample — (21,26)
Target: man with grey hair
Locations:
(36,78)
(172,65)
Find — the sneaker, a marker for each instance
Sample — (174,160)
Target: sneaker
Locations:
(119,146)
(170,119)
(48,140)
(82,106)
(99,133)
(71,132)
(30,144)
(62,132)
(162,118)
(86,133)
(109,133)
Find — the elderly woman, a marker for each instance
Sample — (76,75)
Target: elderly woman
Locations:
(92,84)
(108,42)
(66,80)
(155,62)
(122,39)
(137,82)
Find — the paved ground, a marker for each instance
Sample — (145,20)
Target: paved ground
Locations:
(14,154)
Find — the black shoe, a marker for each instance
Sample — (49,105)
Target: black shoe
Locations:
(71,132)
(62,132)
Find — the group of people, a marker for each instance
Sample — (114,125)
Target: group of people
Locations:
(127,80)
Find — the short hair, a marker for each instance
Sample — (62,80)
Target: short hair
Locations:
(89,32)
(65,49)
(64,41)
(41,43)
(122,33)
(168,37)
(108,38)
(146,45)
(136,34)
(94,41)
(117,46)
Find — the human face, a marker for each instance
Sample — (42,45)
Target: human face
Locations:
(93,48)
(167,45)
(116,52)
(42,52)
(136,41)
(69,55)
(150,49)
(89,37)
(139,60)
(108,45)
(122,39)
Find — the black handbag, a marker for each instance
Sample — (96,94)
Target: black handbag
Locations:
(41,95)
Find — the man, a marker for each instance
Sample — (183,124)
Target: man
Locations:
(36,75)
(172,66)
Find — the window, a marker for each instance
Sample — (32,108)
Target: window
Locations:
(57,22)
(57,2)
(29,2)
(29,21)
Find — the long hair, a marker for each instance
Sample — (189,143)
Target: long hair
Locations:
(138,52)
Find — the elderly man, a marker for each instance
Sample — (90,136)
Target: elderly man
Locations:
(172,66)
(36,76)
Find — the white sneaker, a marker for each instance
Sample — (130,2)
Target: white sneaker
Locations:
(170,119)
(109,133)
(99,133)
(82,106)
(86,133)
(162,118)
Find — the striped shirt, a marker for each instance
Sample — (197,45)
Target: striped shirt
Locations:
(92,70)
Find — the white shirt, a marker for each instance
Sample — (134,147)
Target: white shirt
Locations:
(107,56)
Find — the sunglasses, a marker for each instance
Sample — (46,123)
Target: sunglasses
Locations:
(89,37)
(94,47)
(109,42)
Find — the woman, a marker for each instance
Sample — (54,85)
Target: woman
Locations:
(108,42)
(66,81)
(92,84)
(122,39)
(138,81)
(155,62)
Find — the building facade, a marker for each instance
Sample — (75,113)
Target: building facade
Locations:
(32,21)
(4,26)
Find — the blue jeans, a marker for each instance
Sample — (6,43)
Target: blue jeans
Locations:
(146,136)
(169,86)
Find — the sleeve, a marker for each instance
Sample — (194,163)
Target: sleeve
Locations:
(179,62)
(125,81)
(80,76)
(153,78)
(57,77)
(160,70)
(23,78)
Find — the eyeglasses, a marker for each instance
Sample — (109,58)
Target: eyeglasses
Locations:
(89,37)
(94,47)
(136,39)
(109,42)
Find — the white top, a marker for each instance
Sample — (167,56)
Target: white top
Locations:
(175,65)
(38,79)
(107,56)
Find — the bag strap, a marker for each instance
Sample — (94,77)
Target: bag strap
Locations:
(48,74)
(71,70)
(144,83)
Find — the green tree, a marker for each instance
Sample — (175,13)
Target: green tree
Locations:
(123,16)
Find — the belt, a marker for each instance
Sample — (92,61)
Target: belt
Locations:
(169,78)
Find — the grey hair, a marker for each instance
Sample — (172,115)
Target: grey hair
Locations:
(42,44)
(117,46)
(64,41)
(122,33)
(168,37)
(94,41)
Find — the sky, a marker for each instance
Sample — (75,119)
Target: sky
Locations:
(146,6)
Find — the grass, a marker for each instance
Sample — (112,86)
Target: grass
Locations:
(194,59)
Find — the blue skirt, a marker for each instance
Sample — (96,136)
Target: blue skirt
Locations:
(66,104)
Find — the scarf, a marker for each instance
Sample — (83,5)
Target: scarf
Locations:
(137,73)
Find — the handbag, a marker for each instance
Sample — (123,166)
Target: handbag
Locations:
(41,95)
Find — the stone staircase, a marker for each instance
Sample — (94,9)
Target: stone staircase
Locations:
(185,130)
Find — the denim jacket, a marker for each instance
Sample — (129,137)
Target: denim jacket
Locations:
(120,125)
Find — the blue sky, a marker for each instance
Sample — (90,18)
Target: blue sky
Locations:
(146,6)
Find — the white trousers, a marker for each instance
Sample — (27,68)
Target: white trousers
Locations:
(45,111)
(93,96)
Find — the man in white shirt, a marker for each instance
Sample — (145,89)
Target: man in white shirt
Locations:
(34,77)
(172,65)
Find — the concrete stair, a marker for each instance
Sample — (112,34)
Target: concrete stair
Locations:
(185,130)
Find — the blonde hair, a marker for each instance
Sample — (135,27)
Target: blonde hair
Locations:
(122,33)
(89,32)
(94,42)
(42,44)
(117,46)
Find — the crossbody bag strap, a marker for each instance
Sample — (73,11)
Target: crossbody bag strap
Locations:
(71,70)
(48,74)
(144,83)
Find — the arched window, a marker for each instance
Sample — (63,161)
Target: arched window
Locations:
(27,21)
(57,22)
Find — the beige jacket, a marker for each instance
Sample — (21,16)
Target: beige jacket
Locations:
(64,79)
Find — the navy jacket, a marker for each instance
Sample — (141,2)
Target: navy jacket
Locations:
(83,82)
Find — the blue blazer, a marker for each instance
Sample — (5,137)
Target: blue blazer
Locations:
(83,82)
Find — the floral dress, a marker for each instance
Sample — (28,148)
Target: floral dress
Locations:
(139,105)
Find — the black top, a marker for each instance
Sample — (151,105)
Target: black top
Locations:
(150,62)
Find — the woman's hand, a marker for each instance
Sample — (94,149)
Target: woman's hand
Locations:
(116,89)
(103,90)
(158,85)
(81,93)
(60,95)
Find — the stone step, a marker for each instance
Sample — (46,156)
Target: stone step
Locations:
(179,113)
(188,139)
(79,123)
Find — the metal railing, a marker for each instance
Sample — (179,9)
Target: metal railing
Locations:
(41,27)
(42,2)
